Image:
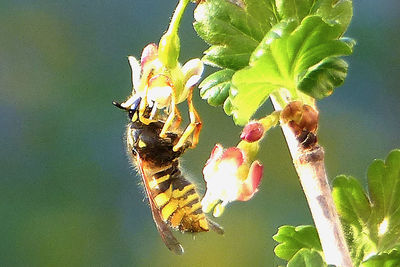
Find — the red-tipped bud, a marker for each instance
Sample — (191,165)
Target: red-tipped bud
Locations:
(252,132)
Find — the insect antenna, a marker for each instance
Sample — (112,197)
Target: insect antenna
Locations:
(118,105)
(132,104)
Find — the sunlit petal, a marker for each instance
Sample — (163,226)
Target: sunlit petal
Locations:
(233,153)
(150,53)
(192,67)
(192,81)
(250,185)
(136,72)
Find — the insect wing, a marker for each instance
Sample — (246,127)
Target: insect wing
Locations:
(165,231)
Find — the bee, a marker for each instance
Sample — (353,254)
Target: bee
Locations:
(173,200)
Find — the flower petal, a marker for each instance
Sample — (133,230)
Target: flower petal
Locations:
(212,163)
(150,53)
(136,71)
(218,210)
(160,90)
(229,177)
(192,81)
(253,180)
(216,153)
(192,67)
(233,153)
(159,80)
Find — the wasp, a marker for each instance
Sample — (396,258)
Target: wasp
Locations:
(174,201)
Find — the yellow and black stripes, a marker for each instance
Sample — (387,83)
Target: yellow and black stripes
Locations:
(175,197)
(177,200)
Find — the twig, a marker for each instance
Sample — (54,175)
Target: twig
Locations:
(310,168)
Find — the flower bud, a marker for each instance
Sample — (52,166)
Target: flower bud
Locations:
(252,132)
(169,49)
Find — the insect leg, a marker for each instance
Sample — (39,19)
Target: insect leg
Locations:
(142,108)
(153,111)
(194,126)
(215,227)
(178,119)
(173,113)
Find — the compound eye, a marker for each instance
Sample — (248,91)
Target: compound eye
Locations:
(131,113)
(134,151)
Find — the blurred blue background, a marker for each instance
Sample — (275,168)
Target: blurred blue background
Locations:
(68,196)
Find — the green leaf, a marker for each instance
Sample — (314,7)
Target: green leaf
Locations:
(281,61)
(280,40)
(228,107)
(227,57)
(335,11)
(351,201)
(371,224)
(292,239)
(307,258)
(332,11)
(391,259)
(215,88)
(294,9)
(384,191)
(246,97)
(233,31)
(321,79)
(354,209)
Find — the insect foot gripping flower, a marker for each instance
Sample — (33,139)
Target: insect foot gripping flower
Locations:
(230,175)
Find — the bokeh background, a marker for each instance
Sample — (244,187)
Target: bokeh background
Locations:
(69,197)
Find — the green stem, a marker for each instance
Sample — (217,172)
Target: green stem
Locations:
(270,120)
(169,46)
(177,17)
(280,99)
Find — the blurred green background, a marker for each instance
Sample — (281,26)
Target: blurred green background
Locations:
(69,197)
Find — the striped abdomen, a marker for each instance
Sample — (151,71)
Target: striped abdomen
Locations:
(175,197)
(177,200)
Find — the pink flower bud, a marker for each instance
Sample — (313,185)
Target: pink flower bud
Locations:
(252,132)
